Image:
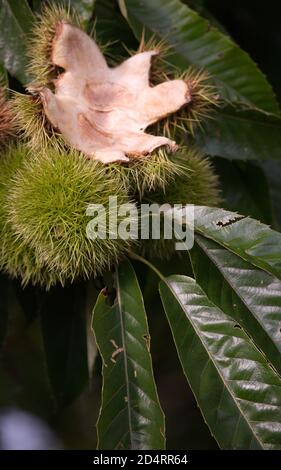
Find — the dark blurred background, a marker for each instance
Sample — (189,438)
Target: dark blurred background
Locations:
(29,416)
(255,26)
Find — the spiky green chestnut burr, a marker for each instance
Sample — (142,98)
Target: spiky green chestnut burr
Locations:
(17,258)
(31,120)
(146,174)
(196,183)
(42,117)
(7,119)
(139,175)
(40,67)
(204,96)
(32,124)
(47,209)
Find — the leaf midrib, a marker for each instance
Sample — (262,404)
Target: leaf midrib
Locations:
(120,310)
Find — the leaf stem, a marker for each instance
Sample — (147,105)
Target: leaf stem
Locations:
(150,265)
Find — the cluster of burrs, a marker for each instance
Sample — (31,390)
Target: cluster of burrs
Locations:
(87,131)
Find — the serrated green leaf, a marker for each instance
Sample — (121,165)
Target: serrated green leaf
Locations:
(130,416)
(246,237)
(15,21)
(238,134)
(202,10)
(63,325)
(197,43)
(248,294)
(244,188)
(238,393)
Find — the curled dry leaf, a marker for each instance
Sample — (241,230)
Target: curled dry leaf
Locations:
(104,111)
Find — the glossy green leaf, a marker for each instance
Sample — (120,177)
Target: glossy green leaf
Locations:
(272,170)
(197,43)
(249,295)
(243,135)
(244,188)
(248,238)
(238,393)
(22,13)
(202,10)
(110,26)
(63,325)
(15,22)
(130,416)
